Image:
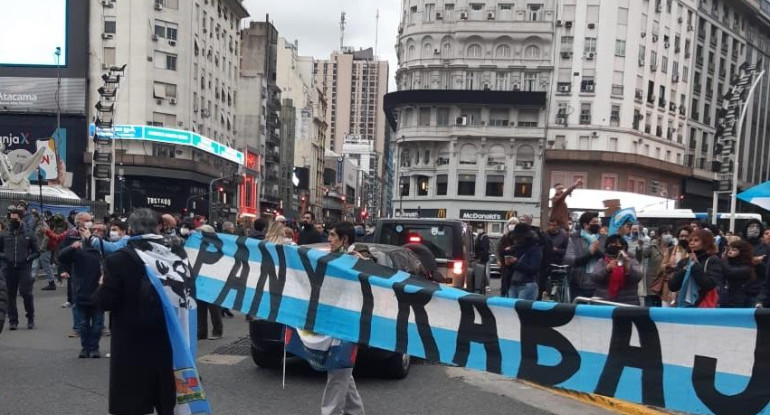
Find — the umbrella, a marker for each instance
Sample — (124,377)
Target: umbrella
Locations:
(758,195)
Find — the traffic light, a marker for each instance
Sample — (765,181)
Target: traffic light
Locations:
(221,189)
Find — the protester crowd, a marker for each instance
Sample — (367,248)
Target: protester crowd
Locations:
(684,265)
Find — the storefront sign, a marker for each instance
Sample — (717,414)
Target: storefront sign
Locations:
(422,213)
(487,215)
(39,94)
(170,136)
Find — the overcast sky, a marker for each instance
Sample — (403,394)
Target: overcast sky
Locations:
(315,24)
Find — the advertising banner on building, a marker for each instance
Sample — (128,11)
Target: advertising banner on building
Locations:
(487,215)
(728,118)
(20,94)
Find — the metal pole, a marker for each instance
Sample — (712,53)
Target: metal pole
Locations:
(40,186)
(734,194)
(714,207)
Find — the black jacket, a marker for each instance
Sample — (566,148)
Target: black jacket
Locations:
(18,248)
(706,279)
(308,235)
(3,302)
(555,247)
(141,373)
(736,280)
(482,248)
(85,269)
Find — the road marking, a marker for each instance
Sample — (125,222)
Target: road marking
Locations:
(221,359)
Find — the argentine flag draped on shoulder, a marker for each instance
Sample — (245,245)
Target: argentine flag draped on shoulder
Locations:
(170,273)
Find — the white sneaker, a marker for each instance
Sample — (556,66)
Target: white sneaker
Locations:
(66,305)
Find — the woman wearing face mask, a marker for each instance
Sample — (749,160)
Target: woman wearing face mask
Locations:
(736,288)
(678,251)
(617,276)
(584,251)
(524,258)
(697,275)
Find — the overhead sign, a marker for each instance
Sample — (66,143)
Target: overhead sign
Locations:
(39,95)
(170,136)
(487,215)
(728,119)
(699,361)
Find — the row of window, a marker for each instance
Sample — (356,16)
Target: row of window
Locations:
(468,116)
(466,185)
(474,50)
(476,11)
(468,156)
(611,181)
(474,80)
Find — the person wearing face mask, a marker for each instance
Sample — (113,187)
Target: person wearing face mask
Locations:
(736,287)
(617,276)
(584,251)
(696,276)
(169,231)
(18,248)
(504,248)
(654,273)
(118,238)
(44,260)
(675,254)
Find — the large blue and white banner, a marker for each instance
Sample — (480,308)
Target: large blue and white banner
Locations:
(693,360)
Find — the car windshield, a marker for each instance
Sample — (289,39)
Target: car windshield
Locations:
(438,238)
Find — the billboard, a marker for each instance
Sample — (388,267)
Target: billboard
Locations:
(39,95)
(22,135)
(37,28)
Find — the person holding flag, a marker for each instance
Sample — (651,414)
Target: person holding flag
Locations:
(148,288)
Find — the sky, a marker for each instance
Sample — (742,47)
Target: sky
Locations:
(40,24)
(315,24)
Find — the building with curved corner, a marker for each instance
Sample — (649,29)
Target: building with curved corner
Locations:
(469,116)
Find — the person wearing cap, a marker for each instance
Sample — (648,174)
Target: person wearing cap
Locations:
(18,248)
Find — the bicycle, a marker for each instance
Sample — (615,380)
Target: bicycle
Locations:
(558,284)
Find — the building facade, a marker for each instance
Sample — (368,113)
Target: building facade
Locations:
(175,110)
(469,116)
(259,110)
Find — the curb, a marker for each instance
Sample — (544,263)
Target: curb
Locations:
(611,404)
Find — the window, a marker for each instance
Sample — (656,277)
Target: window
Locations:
(404,186)
(525,156)
(528,118)
(620,48)
(584,142)
(422,185)
(165,60)
(503,51)
(590,45)
(430,12)
(160,119)
(585,113)
(109,56)
(474,51)
(495,184)
(166,29)
(664,64)
(530,81)
(587,82)
(427,50)
(615,117)
(110,26)
(609,181)
(441,185)
(498,118)
(534,12)
(532,52)
(442,116)
(566,43)
(424,117)
(468,154)
(613,146)
(496,156)
(164,90)
(523,186)
(642,55)
(466,184)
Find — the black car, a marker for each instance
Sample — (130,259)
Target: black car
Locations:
(267,336)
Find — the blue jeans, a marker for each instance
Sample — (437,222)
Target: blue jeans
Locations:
(526,291)
(91,325)
(44,262)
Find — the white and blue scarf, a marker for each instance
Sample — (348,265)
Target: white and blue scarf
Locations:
(170,275)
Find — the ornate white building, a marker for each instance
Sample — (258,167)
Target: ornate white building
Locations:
(470,112)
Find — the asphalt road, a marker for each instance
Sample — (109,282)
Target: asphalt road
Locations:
(41,374)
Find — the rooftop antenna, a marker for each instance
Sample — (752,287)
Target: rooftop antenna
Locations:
(376,31)
(342,30)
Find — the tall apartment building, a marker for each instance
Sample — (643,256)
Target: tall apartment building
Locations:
(620,96)
(470,112)
(175,111)
(259,109)
(354,83)
(729,33)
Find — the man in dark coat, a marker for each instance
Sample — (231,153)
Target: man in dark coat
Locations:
(308,234)
(141,368)
(18,248)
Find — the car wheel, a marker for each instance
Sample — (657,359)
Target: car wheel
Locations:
(397,366)
(264,359)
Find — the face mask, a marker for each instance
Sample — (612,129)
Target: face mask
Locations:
(613,250)
(652,234)
(88,225)
(667,239)
(634,235)
(184,231)
(752,233)
(288,241)
(114,235)
(594,228)
(684,243)
(510,228)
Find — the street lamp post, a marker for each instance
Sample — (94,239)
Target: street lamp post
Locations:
(737,150)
